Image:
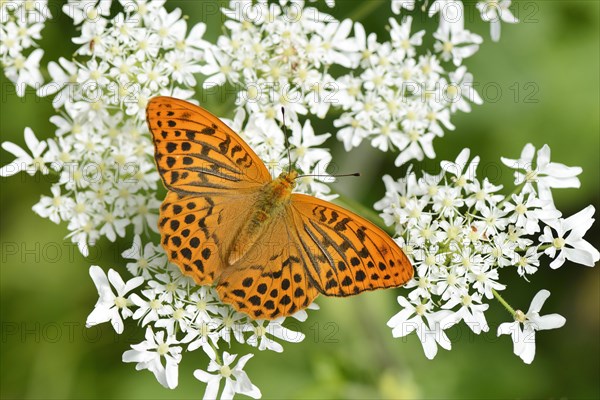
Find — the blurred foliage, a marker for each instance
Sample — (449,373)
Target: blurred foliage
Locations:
(552,57)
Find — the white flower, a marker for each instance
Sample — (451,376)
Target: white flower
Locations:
(462,172)
(62,83)
(87,11)
(233,323)
(402,38)
(179,319)
(54,208)
(204,334)
(148,258)
(452,14)
(528,263)
(527,213)
(353,130)
(274,328)
(568,244)
(522,331)
(420,319)
(484,279)
(447,201)
(111,307)
(25,162)
(203,304)
(456,45)
(495,11)
(493,219)
(149,355)
(545,174)
(419,147)
(305,150)
(151,309)
(471,311)
(113,224)
(483,194)
(236,379)
(460,91)
(25,72)
(217,68)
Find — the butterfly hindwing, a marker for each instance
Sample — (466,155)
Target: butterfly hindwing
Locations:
(346,253)
(196,153)
(271,280)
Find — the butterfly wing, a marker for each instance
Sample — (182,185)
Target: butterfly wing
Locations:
(213,178)
(271,280)
(198,231)
(344,253)
(196,153)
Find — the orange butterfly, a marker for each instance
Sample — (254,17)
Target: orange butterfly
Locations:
(226,221)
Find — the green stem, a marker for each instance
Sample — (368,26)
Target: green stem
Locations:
(503,302)
(217,355)
(53,172)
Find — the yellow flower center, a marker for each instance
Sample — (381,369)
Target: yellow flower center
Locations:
(120,302)
(225,371)
(162,349)
(559,243)
(448,46)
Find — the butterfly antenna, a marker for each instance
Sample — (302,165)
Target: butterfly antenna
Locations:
(331,176)
(287,143)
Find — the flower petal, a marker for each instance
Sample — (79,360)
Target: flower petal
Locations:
(538,301)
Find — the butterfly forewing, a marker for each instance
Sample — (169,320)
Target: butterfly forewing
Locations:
(196,153)
(213,178)
(346,254)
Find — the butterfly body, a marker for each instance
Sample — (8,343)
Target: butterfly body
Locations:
(226,222)
(271,203)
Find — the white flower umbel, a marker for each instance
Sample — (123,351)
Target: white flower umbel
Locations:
(407,95)
(522,331)
(463,235)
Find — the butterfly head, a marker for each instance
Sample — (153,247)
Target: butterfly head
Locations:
(289,178)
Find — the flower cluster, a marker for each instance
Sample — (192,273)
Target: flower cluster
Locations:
(400,96)
(461,232)
(21,24)
(400,100)
(179,315)
(458,230)
(277,56)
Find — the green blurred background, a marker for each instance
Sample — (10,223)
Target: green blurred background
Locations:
(552,57)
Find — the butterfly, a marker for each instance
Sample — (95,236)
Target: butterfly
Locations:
(269,251)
